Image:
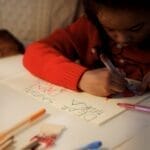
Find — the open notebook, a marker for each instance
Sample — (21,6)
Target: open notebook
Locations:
(88,107)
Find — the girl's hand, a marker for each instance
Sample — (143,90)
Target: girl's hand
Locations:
(101,82)
(145,83)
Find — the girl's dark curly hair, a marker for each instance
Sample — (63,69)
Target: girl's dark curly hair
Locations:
(91,8)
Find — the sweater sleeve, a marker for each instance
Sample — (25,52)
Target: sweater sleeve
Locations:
(53,58)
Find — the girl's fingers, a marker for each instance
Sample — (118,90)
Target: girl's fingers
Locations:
(117,83)
(145,84)
(117,86)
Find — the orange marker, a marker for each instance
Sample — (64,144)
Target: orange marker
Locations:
(4,136)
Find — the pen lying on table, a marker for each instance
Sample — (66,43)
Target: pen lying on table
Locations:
(135,107)
(95,145)
(6,143)
(4,136)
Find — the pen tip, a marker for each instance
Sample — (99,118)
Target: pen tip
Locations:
(118,104)
(121,104)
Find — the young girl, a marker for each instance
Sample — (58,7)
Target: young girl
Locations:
(70,57)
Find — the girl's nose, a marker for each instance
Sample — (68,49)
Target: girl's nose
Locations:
(122,38)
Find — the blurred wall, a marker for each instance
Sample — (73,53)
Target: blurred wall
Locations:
(31,20)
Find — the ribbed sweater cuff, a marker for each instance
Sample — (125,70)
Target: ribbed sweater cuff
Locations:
(72,77)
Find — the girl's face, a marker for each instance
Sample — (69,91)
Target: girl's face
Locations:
(125,27)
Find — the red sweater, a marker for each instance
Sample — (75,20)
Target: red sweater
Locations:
(53,58)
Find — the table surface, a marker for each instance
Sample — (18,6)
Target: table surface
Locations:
(15,105)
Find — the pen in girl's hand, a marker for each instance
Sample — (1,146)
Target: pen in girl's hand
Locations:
(106,61)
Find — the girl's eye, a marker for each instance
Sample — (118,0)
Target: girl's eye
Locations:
(137,27)
(109,30)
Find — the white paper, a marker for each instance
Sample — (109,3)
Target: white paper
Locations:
(88,107)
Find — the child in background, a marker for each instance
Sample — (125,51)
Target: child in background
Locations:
(70,57)
(9,45)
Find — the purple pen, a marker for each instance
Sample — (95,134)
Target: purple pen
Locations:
(106,61)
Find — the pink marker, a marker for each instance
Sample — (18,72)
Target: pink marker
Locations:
(135,107)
